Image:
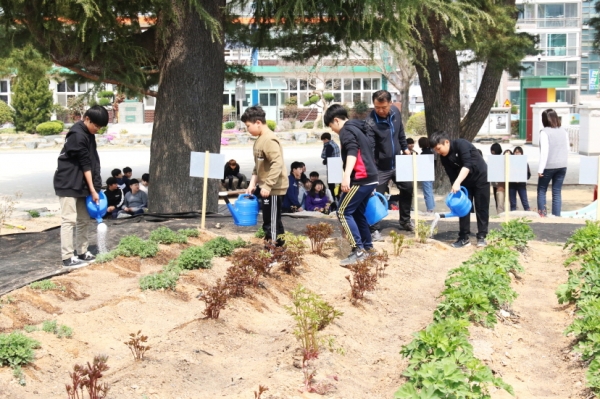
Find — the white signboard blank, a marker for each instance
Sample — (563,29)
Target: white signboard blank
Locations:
(335,170)
(216,165)
(588,170)
(517,172)
(425,168)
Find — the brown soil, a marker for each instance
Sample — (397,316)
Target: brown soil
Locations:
(253,342)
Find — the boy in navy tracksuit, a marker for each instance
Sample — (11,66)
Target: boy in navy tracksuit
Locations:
(358,183)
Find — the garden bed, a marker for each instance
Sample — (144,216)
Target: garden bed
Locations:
(252,342)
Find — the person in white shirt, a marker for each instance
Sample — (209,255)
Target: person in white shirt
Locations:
(554,151)
(145,182)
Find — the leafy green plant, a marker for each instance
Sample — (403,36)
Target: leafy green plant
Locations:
(7,114)
(221,246)
(64,331)
(50,326)
(291,255)
(30,328)
(135,246)
(424,231)
(49,128)
(189,232)
(43,285)
(260,233)
(514,233)
(229,125)
(136,345)
(318,234)
(497,256)
(271,124)
(19,376)
(197,257)
(88,377)
(166,279)
(164,235)
(584,239)
(416,125)
(17,349)
(107,256)
(397,242)
(311,314)
(33,213)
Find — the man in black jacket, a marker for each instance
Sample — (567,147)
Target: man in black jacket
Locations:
(77,176)
(465,167)
(385,126)
(114,196)
(358,182)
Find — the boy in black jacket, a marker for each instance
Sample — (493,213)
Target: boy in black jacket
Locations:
(77,176)
(465,167)
(358,183)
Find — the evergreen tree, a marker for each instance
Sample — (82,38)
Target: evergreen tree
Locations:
(6,113)
(32,101)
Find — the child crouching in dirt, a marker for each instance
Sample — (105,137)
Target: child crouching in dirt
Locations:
(358,182)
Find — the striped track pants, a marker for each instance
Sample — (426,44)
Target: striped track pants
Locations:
(271,209)
(351,214)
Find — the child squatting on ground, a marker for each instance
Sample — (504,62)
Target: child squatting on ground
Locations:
(269,172)
(358,182)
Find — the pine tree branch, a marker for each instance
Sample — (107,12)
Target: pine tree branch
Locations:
(96,78)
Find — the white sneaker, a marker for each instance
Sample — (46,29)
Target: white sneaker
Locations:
(74,262)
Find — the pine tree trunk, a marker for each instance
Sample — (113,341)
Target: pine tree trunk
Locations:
(188,109)
(439,76)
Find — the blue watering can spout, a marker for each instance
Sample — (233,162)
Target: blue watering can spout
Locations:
(459,204)
(97,210)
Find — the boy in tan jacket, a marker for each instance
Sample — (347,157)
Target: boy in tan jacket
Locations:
(269,172)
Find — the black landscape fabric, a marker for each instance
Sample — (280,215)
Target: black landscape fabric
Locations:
(28,257)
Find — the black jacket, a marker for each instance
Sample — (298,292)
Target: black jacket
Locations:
(356,142)
(389,136)
(232,172)
(78,155)
(115,197)
(463,154)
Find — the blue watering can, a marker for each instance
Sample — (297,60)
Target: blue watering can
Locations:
(377,208)
(245,210)
(97,211)
(458,203)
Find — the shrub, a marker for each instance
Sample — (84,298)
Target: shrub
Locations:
(49,128)
(416,124)
(318,233)
(291,111)
(43,285)
(107,256)
(165,279)
(260,233)
(285,125)
(32,101)
(189,232)
(164,235)
(195,258)
(271,124)
(7,114)
(49,326)
(360,108)
(215,299)
(229,125)
(221,246)
(308,125)
(135,246)
(103,102)
(16,349)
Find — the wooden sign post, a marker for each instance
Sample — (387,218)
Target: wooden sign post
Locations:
(506,184)
(415,169)
(206,165)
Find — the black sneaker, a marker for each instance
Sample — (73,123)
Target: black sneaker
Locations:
(408,226)
(460,243)
(481,242)
(87,257)
(354,257)
(74,262)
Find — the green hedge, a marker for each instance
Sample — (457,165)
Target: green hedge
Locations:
(49,128)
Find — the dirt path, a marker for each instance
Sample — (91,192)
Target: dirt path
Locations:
(530,351)
(251,344)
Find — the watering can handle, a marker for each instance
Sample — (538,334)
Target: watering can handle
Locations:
(464,190)
(250,196)
(382,198)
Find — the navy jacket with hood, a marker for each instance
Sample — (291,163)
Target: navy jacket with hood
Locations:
(293,192)
(389,136)
(356,142)
(78,155)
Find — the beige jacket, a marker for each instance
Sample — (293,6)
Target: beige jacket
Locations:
(268,164)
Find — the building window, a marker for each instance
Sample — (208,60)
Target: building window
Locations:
(4,90)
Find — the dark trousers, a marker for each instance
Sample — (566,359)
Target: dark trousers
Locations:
(404,200)
(480,194)
(351,215)
(272,225)
(331,187)
(521,189)
(240,178)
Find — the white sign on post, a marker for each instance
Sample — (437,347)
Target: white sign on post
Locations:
(335,170)
(517,172)
(425,168)
(588,170)
(216,164)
